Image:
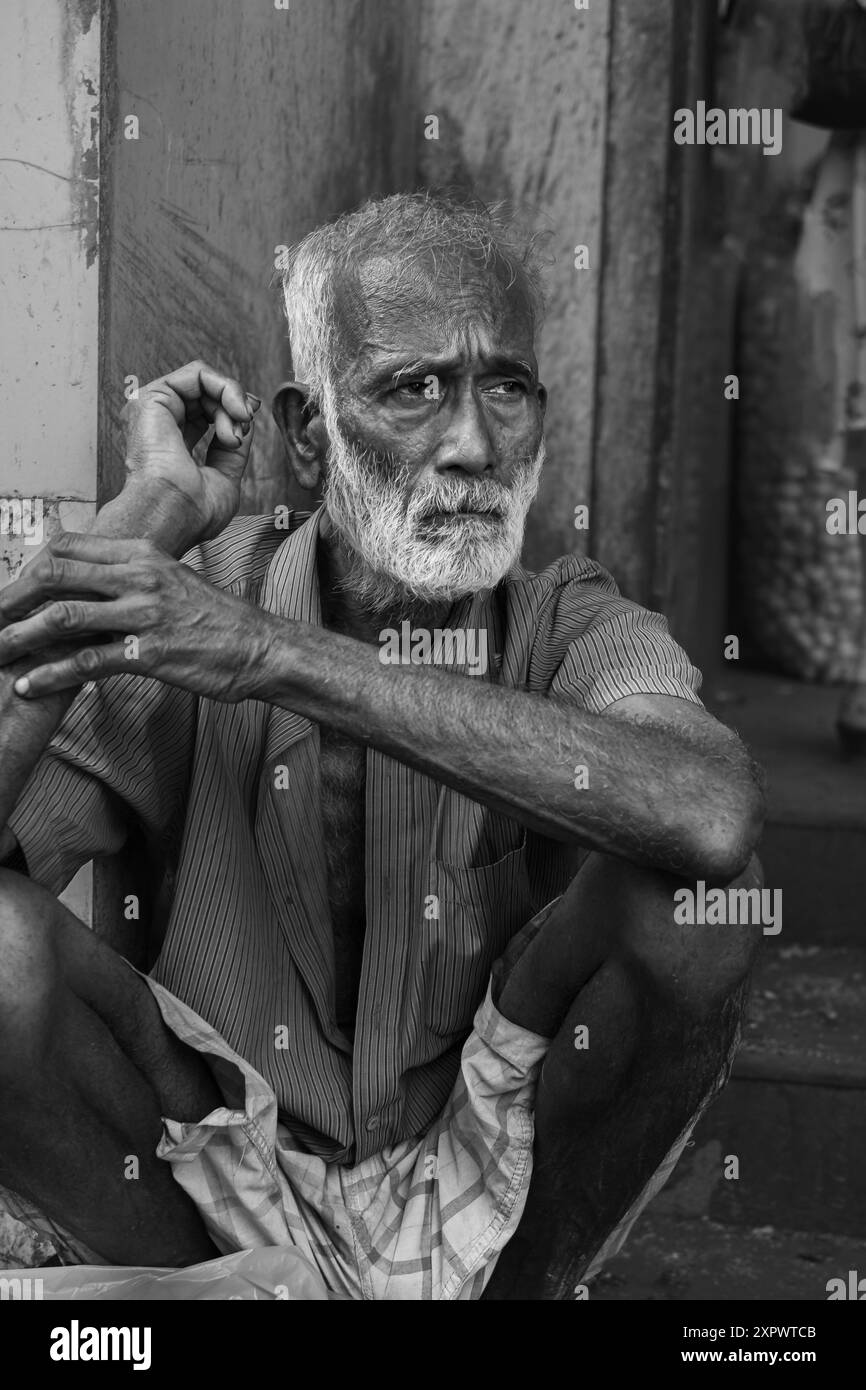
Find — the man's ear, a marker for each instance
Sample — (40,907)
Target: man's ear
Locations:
(302,431)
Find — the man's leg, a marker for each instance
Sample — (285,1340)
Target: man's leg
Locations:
(660,1003)
(87,1068)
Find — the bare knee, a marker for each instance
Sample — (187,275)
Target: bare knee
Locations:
(666,929)
(27,912)
(29,966)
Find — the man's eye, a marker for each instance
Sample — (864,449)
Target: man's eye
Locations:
(411,388)
(509,388)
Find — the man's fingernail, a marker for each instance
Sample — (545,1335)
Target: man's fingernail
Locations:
(255,400)
(22,686)
(237,431)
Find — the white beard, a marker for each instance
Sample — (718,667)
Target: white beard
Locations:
(401,556)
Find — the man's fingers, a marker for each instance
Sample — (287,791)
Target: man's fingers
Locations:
(97,550)
(65,620)
(229,433)
(91,663)
(52,569)
(55,576)
(230,460)
(228,392)
(196,396)
(196,380)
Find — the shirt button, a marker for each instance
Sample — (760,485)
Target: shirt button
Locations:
(374,1122)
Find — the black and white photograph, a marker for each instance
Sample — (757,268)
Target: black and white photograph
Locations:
(433,666)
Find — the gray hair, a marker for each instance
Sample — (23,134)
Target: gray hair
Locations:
(410,228)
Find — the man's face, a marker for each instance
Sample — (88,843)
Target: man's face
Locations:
(435,437)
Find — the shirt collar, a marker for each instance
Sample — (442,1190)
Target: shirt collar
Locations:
(291,587)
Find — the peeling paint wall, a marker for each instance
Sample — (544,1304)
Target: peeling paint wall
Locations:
(49,77)
(49,192)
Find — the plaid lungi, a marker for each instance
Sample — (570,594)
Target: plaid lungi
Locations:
(423,1220)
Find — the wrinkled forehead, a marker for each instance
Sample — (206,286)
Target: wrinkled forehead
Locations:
(423,305)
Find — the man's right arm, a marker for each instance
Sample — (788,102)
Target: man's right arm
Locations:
(167,500)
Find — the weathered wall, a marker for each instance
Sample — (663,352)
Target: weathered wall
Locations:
(637,318)
(49,88)
(255,124)
(49,82)
(520,93)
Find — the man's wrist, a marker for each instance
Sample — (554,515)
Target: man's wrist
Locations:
(275,664)
(152,509)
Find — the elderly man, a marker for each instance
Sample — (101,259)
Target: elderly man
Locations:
(421,987)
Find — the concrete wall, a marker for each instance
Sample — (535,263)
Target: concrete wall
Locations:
(49,80)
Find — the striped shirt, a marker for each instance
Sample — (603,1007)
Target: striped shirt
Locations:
(228,796)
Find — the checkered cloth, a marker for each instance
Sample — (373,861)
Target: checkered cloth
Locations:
(423,1220)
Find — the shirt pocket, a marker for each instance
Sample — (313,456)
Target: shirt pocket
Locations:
(469,917)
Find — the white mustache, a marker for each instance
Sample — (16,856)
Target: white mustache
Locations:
(491,499)
(466,508)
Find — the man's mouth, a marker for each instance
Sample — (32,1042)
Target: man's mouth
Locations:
(464,511)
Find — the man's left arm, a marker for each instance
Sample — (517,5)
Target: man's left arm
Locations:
(654,779)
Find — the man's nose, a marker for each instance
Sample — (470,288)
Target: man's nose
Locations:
(466,444)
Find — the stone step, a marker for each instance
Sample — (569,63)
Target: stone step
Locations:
(670,1259)
(794,1114)
(814,846)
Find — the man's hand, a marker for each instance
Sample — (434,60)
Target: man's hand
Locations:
(165,423)
(145,614)
(167,500)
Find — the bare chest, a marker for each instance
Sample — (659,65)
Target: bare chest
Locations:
(342,771)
